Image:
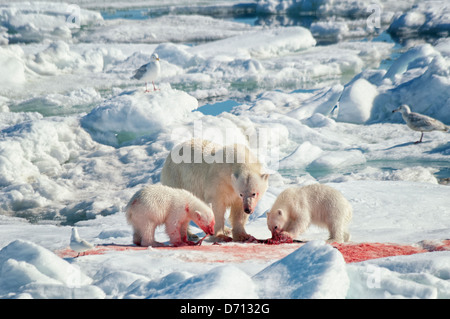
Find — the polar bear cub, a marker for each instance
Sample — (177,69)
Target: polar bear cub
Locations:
(155,205)
(298,207)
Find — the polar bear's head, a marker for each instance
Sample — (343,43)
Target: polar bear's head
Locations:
(250,187)
(203,216)
(276,220)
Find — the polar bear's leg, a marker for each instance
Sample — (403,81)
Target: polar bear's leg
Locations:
(337,233)
(148,235)
(238,220)
(347,236)
(346,232)
(137,238)
(221,232)
(297,227)
(177,231)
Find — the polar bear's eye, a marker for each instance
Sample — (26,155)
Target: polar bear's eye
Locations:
(240,195)
(254,194)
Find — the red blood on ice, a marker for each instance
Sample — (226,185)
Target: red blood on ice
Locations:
(240,252)
(99,250)
(364,251)
(219,253)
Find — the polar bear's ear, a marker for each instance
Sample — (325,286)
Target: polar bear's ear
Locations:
(265,177)
(210,205)
(234,178)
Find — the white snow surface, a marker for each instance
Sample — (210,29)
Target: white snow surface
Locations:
(315,271)
(78,137)
(427,17)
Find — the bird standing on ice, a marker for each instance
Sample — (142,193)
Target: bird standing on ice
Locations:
(149,72)
(420,122)
(77,244)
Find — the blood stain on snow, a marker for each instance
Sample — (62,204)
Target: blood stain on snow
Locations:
(241,252)
(365,251)
(98,250)
(225,252)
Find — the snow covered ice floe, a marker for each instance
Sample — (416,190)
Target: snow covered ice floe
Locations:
(241,60)
(13,67)
(167,28)
(136,113)
(329,8)
(429,18)
(42,21)
(28,270)
(423,276)
(314,271)
(372,95)
(31,70)
(259,44)
(220,282)
(32,153)
(288,59)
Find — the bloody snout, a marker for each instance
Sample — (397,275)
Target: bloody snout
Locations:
(275,231)
(210,229)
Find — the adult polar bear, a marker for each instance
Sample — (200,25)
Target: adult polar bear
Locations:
(225,176)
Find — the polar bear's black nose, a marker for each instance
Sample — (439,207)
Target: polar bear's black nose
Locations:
(247,210)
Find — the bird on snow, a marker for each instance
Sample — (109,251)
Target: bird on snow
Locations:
(77,244)
(420,122)
(149,72)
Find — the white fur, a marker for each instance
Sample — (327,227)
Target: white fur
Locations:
(298,207)
(158,204)
(228,177)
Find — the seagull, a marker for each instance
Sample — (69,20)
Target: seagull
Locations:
(420,122)
(77,244)
(149,72)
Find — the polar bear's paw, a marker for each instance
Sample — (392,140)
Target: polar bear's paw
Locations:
(243,237)
(221,238)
